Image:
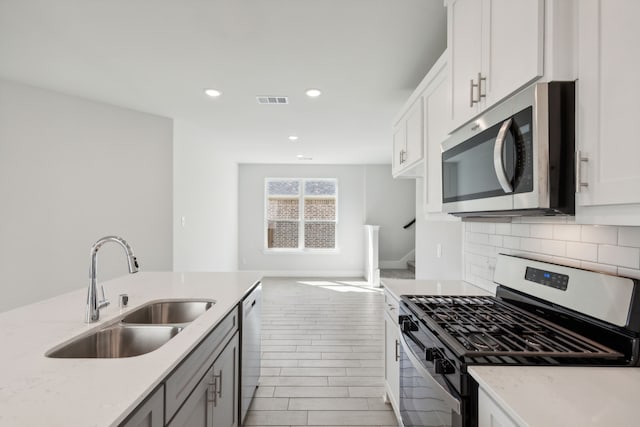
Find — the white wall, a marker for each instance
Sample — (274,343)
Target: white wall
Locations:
(206,195)
(446,265)
(390,203)
(72,171)
(360,190)
(610,249)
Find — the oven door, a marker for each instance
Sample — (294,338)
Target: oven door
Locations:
(425,397)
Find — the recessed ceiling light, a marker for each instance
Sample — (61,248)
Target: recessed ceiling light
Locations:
(293,138)
(214,93)
(313,93)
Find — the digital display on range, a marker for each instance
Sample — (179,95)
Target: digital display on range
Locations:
(547,278)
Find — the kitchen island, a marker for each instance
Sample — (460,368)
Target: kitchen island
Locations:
(38,390)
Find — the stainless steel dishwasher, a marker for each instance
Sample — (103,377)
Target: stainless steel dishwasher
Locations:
(250,361)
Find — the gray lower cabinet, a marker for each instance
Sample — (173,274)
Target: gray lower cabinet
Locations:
(214,401)
(225,374)
(150,413)
(203,390)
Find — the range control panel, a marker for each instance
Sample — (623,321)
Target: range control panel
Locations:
(547,278)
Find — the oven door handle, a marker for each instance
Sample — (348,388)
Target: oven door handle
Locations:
(498,162)
(447,397)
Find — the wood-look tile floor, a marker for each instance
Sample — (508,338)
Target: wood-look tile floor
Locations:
(322,355)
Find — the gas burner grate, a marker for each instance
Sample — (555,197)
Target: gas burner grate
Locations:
(486,326)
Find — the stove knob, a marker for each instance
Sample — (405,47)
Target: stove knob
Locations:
(432,354)
(444,367)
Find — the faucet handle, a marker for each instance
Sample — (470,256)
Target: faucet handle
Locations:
(104,301)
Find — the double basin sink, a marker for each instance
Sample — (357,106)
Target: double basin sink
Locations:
(143,330)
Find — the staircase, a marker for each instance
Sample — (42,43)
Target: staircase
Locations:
(398,273)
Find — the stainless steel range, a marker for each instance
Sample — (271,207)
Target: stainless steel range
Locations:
(542,314)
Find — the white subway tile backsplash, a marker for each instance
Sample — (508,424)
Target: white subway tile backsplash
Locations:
(600,234)
(531,245)
(567,232)
(495,240)
(583,251)
(602,268)
(618,255)
(480,238)
(541,231)
(553,247)
(609,249)
(503,229)
(629,236)
(511,242)
(522,230)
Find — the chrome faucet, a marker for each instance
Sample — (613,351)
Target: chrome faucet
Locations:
(93,305)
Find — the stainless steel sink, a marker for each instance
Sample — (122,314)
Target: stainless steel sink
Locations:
(117,341)
(168,312)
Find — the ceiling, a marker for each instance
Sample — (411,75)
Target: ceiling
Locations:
(157,56)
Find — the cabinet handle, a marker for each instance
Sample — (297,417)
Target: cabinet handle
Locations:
(471,100)
(219,389)
(211,391)
(480,93)
(473,85)
(397,350)
(579,160)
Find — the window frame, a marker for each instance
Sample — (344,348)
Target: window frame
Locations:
(301,196)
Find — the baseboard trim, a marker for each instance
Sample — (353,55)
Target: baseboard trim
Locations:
(358,274)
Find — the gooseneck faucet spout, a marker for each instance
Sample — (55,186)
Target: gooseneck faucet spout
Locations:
(93,304)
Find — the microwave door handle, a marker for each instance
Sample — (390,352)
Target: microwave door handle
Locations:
(498,163)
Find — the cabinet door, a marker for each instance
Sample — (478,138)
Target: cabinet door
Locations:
(225,373)
(608,107)
(150,413)
(513,46)
(415,134)
(464,42)
(392,359)
(490,414)
(399,146)
(436,122)
(197,409)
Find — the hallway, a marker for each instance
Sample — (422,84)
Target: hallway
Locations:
(323,359)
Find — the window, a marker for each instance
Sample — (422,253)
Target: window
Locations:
(301,214)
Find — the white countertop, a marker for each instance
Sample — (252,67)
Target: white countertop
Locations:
(399,287)
(38,391)
(563,396)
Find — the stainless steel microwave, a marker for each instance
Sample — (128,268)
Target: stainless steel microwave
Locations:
(515,159)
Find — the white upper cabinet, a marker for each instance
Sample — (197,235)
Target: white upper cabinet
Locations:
(415,132)
(436,123)
(495,48)
(408,140)
(608,104)
(464,42)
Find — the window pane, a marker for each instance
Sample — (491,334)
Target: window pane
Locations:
(320,235)
(320,209)
(288,187)
(320,188)
(282,234)
(283,209)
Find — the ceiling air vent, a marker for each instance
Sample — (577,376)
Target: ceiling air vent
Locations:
(280,100)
